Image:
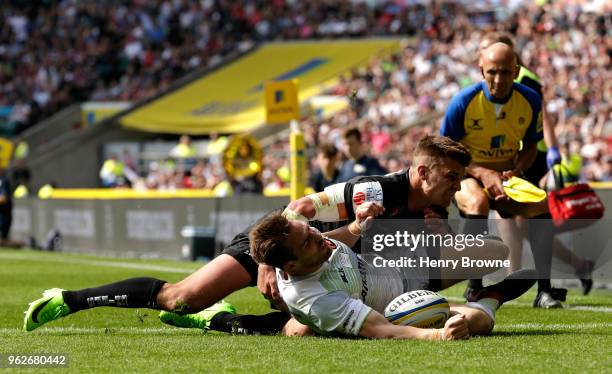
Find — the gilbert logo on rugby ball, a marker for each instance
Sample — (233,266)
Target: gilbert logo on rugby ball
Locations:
(422,308)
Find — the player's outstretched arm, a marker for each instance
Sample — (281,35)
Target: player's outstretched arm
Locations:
(321,206)
(376,326)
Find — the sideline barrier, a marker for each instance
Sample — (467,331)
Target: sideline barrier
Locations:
(124,194)
(151,227)
(135,227)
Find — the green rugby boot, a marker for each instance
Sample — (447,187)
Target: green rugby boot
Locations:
(200,320)
(46,309)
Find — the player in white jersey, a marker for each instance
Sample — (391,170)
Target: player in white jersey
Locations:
(344,279)
(420,193)
(333,290)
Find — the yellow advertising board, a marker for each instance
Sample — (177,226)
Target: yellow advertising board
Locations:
(282,101)
(231,98)
(93,112)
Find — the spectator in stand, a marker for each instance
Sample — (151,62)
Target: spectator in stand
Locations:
(184,149)
(111,171)
(358,163)
(380,139)
(327,172)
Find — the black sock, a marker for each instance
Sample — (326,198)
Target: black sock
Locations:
(267,324)
(544,285)
(475,283)
(541,234)
(475,224)
(129,293)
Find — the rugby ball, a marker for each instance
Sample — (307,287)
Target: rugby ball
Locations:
(421,308)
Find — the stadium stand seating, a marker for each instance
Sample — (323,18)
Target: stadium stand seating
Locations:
(139,49)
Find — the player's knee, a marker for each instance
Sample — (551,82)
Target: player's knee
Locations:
(174,297)
(472,203)
(294,328)
(496,249)
(482,328)
(480,323)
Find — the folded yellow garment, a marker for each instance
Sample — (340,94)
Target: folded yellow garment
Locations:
(522,191)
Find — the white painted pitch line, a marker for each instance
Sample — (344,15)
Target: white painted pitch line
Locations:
(601,309)
(555,326)
(102,330)
(586,308)
(125,265)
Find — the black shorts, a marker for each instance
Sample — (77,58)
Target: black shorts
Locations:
(240,250)
(538,169)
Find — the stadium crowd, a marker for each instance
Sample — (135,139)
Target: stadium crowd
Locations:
(568,48)
(565,45)
(54,53)
(139,48)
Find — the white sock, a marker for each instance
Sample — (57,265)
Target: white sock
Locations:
(487,305)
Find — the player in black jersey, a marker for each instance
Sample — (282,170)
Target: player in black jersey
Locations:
(420,192)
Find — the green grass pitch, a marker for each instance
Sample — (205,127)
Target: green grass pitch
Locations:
(576,339)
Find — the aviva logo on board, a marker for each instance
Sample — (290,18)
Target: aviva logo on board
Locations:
(282,103)
(219,107)
(231,99)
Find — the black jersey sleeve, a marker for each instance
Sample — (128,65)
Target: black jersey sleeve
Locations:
(390,190)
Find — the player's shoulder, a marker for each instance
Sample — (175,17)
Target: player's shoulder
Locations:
(528,93)
(299,291)
(530,79)
(462,99)
(375,187)
(468,93)
(526,73)
(395,177)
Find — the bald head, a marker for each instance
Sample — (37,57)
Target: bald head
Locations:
(499,68)
(499,52)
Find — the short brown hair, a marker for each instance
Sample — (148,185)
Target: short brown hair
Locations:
(352,131)
(267,240)
(328,150)
(443,147)
(502,37)
(499,37)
